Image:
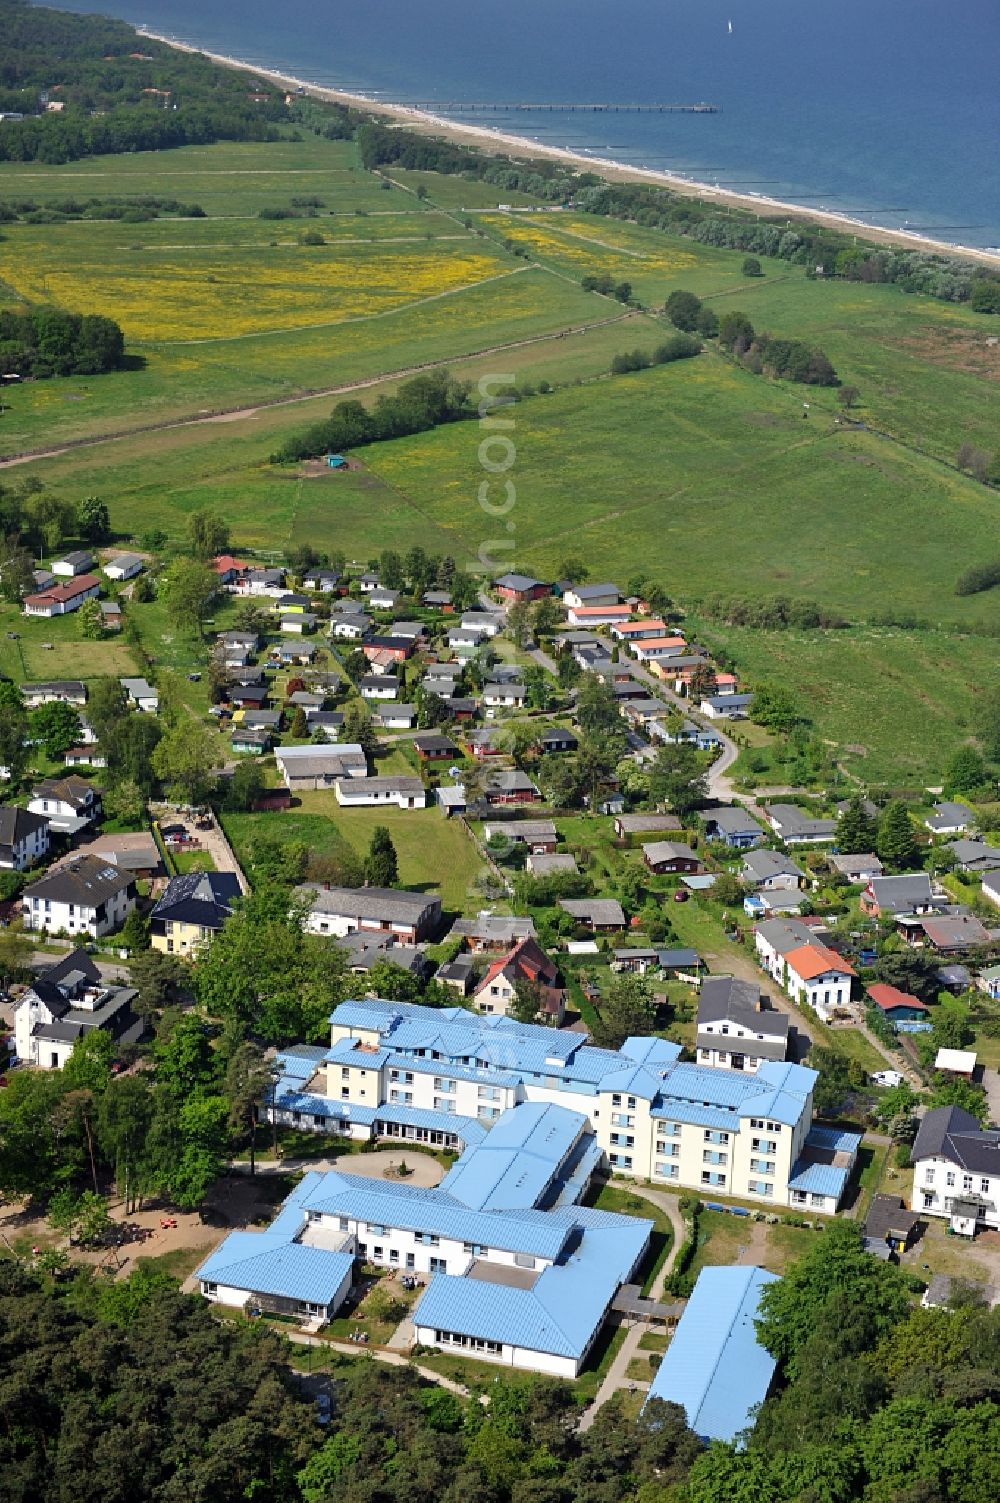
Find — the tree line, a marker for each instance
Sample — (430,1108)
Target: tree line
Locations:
(120,92)
(762,353)
(421,403)
(51,342)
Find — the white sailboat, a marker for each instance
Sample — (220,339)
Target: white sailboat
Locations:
(730,28)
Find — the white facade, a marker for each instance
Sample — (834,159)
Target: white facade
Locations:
(403,792)
(938,1181)
(50,916)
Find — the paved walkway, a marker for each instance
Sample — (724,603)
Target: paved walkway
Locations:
(616,1376)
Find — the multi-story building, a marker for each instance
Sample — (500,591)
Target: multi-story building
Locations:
(67,1001)
(69,804)
(191,910)
(737,1027)
(84,895)
(404,1071)
(24,837)
(956,1170)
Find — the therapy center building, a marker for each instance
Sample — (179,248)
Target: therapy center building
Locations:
(443,1076)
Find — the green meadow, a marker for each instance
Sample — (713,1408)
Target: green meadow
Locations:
(700,473)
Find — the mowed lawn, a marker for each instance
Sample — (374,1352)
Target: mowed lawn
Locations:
(895,704)
(435,854)
(32,649)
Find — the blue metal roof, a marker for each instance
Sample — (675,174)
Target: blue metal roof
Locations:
(833,1139)
(301,1060)
(437,1213)
(651,1051)
(818,1179)
(265,1263)
(562,1312)
(518,1161)
(714,1367)
(469,1129)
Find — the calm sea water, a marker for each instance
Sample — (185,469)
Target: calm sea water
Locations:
(884,109)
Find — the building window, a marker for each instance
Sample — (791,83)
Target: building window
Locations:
(929,1176)
(762,1166)
(439,1265)
(984,1185)
(949,1178)
(966,1181)
(763,1145)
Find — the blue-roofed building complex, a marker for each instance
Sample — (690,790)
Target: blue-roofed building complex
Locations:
(445,1077)
(517,1271)
(715,1368)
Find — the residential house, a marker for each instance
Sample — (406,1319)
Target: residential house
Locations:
(85,756)
(951,934)
(490,932)
(688,733)
(991,885)
(552,866)
(794,826)
(557,739)
(738,1029)
(249,696)
(518,588)
(600,915)
(459,974)
(974,855)
(289,653)
(726,706)
(956,1170)
(430,746)
(365,949)
(404,792)
(806,969)
(111,615)
(337,911)
(888,897)
(626,825)
(191,910)
(61,599)
(507,696)
(658,649)
(367,583)
(636,631)
(378,686)
(539,835)
(484,743)
(229,569)
(436,600)
(528,963)
(731,824)
(381,599)
(298,623)
(320,581)
(389,646)
(487,623)
(767,871)
(896,1006)
(396,717)
(451,797)
(24,838)
(459,707)
(67,1001)
(464,643)
(510,786)
(351,627)
(83,895)
(70,804)
(72,565)
(245,740)
(949,818)
(124,566)
(597,615)
(307,768)
(592,594)
(62,691)
(141,695)
(988,981)
(663,856)
(262,582)
(857,868)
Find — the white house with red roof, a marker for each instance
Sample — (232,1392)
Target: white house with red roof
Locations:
(60,599)
(527,962)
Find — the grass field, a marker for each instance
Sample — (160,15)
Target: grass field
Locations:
(26,657)
(435,854)
(844,682)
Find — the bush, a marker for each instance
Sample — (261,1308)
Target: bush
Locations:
(751,267)
(978,578)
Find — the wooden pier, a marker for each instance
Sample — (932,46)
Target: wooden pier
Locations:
(453,106)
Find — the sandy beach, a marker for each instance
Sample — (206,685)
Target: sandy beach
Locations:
(523,148)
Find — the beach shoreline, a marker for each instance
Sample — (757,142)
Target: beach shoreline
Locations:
(524,148)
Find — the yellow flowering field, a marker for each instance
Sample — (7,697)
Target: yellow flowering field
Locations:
(219,292)
(595,243)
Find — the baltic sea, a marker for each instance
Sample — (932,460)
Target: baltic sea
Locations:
(888,111)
